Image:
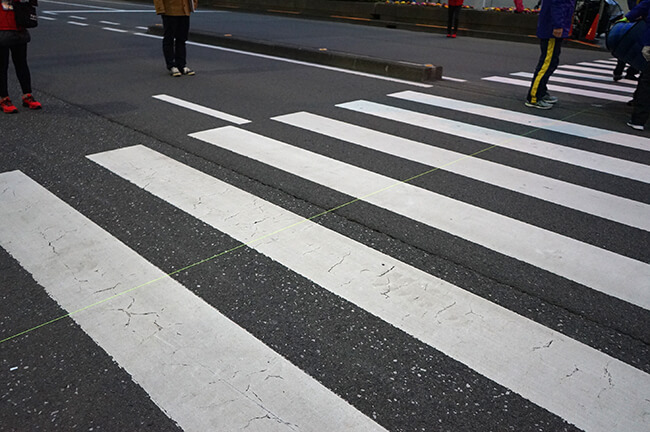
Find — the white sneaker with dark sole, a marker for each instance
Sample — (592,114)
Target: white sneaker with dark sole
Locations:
(188,71)
(174,71)
(540,104)
(635,126)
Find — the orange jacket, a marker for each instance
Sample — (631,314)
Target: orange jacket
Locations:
(175,7)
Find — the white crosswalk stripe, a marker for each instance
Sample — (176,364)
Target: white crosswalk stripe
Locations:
(588,79)
(598,85)
(562,89)
(403,296)
(604,205)
(592,77)
(581,158)
(588,265)
(175,342)
(564,127)
(157,345)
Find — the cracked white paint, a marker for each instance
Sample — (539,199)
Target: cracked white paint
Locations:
(169,340)
(486,337)
(594,267)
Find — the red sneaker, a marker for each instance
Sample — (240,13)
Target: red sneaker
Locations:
(7,106)
(30,102)
(453,35)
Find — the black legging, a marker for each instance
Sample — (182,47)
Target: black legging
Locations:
(19,58)
(452,19)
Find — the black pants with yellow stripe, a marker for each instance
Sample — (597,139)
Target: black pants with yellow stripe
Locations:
(548,61)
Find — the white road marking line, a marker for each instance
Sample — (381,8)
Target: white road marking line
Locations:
(46,18)
(446,78)
(588,265)
(634,141)
(610,62)
(593,77)
(203,370)
(286,60)
(314,65)
(78,24)
(581,158)
(561,89)
(109,23)
(201,109)
(75,4)
(116,30)
(77,17)
(583,83)
(584,386)
(587,200)
(110,11)
(586,69)
(609,67)
(148,35)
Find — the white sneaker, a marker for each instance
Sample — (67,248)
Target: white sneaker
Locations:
(635,126)
(540,104)
(188,71)
(174,71)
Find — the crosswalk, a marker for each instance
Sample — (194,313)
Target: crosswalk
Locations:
(208,373)
(589,79)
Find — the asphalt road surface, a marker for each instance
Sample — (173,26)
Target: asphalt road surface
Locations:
(278,246)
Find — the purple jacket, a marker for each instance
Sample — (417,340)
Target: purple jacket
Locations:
(642,10)
(555,14)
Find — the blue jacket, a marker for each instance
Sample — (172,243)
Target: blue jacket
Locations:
(555,14)
(642,10)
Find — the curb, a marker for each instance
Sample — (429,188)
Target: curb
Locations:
(376,66)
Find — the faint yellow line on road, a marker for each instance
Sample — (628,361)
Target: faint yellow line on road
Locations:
(311,218)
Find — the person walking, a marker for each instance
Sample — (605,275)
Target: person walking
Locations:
(641,101)
(13,41)
(453,11)
(176,27)
(553,26)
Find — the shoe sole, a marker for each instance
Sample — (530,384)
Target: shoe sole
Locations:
(636,127)
(532,105)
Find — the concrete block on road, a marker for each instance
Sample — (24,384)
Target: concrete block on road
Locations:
(390,68)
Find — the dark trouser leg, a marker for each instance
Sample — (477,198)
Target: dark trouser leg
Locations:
(4,67)
(641,110)
(182,32)
(548,62)
(452,19)
(631,71)
(19,57)
(169,30)
(618,70)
